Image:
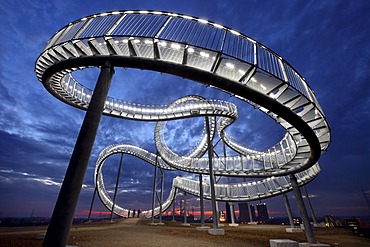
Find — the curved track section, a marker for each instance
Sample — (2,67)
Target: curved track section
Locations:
(256,190)
(195,162)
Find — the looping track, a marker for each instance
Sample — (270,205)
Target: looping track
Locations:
(208,53)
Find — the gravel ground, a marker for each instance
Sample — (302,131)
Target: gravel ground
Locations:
(137,232)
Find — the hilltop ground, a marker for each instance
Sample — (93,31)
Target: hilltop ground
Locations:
(136,232)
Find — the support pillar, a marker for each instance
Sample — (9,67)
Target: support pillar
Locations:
(288,210)
(185,212)
(311,238)
(202,226)
(291,229)
(310,206)
(92,203)
(115,189)
(218,216)
(215,230)
(173,209)
(161,198)
(231,206)
(201,200)
(212,176)
(154,188)
(250,213)
(61,220)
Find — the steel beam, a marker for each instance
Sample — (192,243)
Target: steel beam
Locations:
(116,188)
(211,176)
(65,207)
(310,206)
(288,210)
(154,187)
(201,200)
(92,203)
(308,229)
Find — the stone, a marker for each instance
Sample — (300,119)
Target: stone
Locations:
(313,245)
(283,243)
(293,229)
(202,228)
(218,231)
(234,225)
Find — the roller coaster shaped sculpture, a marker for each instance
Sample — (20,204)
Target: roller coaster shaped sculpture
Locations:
(208,53)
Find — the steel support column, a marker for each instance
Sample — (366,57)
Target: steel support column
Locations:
(250,212)
(201,200)
(231,207)
(211,175)
(161,198)
(310,206)
(154,187)
(116,188)
(92,203)
(61,220)
(185,211)
(173,209)
(308,229)
(288,210)
(218,213)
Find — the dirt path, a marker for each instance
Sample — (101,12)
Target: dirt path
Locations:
(136,232)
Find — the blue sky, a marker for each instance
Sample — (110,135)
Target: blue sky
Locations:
(326,41)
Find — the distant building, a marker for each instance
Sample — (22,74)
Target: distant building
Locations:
(254,217)
(244,213)
(263,214)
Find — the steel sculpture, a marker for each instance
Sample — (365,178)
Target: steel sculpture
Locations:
(208,53)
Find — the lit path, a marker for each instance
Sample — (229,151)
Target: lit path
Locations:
(208,53)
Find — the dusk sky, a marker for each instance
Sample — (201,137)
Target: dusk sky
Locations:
(327,42)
